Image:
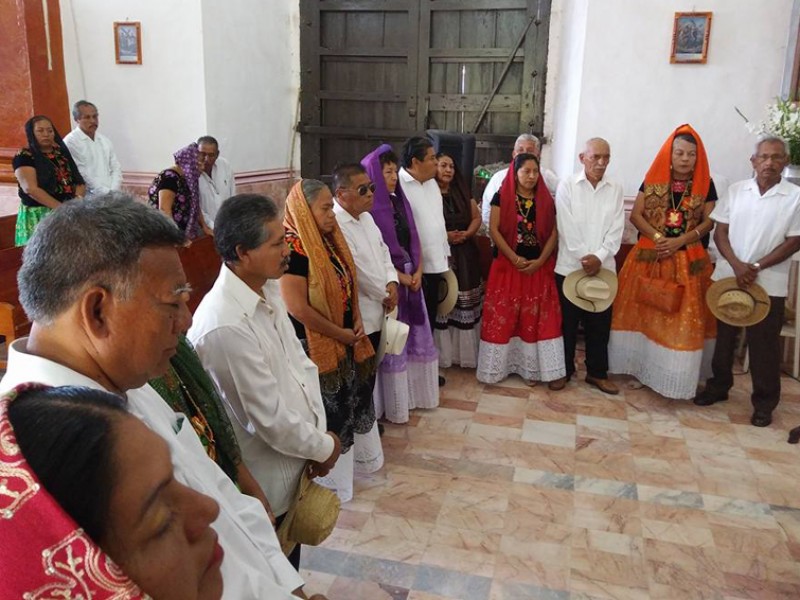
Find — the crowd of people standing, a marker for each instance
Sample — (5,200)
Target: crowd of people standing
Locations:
(280,381)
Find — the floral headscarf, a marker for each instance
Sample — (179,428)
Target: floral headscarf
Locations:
(186,158)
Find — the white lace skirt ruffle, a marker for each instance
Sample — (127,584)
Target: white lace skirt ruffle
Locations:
(539,361)
(458,346)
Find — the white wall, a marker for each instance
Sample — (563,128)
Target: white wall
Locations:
(630,94)
(230,69)
(252,80)
(148,110)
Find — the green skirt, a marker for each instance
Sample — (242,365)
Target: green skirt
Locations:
(28,218)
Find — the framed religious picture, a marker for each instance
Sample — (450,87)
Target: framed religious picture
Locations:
(690,37)
(128,42)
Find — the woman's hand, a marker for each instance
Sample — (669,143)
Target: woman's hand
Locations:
(520,263)
(666,246)
(532,266)
(416,282)
(456,237)
(405,279)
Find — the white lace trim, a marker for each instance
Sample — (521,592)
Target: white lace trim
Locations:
(368,452)
(540,361)
(458,346)
(340,478)
(671,373)
(397,393)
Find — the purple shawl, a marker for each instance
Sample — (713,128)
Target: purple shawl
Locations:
(186,158)
(383,214)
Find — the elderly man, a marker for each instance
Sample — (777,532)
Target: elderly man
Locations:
(525,144)
(92,151)
(758,230)
(102,282)
(216,180)
(591,218)
(244,338)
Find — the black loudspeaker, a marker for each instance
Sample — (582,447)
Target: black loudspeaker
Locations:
(460,146)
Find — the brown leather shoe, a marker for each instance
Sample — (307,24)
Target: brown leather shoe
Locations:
(558,384)
(604,385)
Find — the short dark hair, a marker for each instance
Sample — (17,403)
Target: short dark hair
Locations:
(89,242)
(521,159)
(414,147)
(388,157)
(76,108)
(342,173)
(207,139)
(67,436)
(240,224)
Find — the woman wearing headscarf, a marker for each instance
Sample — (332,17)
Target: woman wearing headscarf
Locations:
(321,294)
(175,191)
(521,329)
(410,379)
(47,176)
(663,346)
(458,333)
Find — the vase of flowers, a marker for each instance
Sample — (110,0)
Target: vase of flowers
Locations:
(783,120)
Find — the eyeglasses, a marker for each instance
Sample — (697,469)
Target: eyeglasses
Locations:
(773,157)
(364,188)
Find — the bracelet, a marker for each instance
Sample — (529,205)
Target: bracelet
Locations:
(657,236)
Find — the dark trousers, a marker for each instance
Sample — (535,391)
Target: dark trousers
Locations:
(375,340)
(763,344)
(430,290)
(294,557)
(597,329)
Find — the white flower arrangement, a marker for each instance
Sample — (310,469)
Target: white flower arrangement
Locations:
(782,120)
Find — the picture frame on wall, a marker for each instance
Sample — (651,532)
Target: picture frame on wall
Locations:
(690,34)
(128,42)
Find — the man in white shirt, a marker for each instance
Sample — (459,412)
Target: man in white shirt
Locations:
(757,231)
(247,343)
(103,285)
(377,277)
(217,182)
(525,144)
(417,178)
(92,151)
(591,218)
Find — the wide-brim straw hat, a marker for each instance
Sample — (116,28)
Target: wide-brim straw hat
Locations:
(737,306)
(448,293)
(593,293)
(394,335)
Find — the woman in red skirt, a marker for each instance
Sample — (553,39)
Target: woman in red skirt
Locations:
(521,331)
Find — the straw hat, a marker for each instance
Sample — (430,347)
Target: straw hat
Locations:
(394,336)
(312,516)
(593,293)
(448,293)
(736,306)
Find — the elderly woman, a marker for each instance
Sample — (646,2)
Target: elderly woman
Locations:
(46,174)
(87,484)
(662,346)
(321,294)
(521,330)
(410,379)
(175,191)
(458,333)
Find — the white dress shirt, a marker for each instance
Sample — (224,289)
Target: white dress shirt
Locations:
(590,221)
(216,189)
(254,566)
(426,205)
(373,265)
(96,161)
(756,226)
(269,385)
(550,180)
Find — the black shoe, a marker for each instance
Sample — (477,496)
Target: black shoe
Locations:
(760,419)
(442,381)
(707,398)
(380,429)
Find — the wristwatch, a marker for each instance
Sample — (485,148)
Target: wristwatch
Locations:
(756,266)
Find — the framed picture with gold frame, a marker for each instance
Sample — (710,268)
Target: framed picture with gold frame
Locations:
(128,42)
(690,34)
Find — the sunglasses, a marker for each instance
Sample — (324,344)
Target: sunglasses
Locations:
(364,188)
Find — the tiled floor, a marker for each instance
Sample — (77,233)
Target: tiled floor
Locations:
(509,492)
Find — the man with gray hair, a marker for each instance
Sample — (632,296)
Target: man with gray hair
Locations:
(92,151)
(758,230)
(216,179)
(247,343)
(104,286)
(525,144)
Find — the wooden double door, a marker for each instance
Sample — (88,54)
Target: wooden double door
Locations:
(377,71)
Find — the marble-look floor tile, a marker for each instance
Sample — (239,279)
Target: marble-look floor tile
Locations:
(551,434)
(544,479)
(509,590)
(452,584)
(669,497)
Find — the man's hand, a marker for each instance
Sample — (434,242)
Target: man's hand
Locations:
(746,274)
(391,299)
(316,469)
(591,264)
